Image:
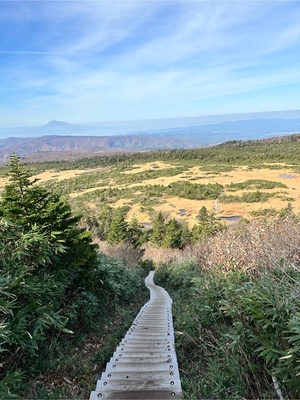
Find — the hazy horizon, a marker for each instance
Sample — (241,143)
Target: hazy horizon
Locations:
(177,121)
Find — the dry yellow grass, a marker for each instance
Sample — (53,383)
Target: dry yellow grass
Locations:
(136,169)
(171,205)
(57,176)
(3,182)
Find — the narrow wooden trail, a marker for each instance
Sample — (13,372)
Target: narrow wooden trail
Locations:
(144,365)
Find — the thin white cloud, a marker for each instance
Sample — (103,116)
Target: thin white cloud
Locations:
(104,59)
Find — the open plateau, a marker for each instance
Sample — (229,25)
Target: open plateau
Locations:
(148,183)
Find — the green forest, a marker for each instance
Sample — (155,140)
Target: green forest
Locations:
(65,303)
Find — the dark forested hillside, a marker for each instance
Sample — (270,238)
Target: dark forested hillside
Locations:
(286,148)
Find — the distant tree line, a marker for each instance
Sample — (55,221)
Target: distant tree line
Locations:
(253,152)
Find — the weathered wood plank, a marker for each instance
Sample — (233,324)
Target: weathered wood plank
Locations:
(139,375)
(135,395)
(136,367)
(137,384)
(144,364)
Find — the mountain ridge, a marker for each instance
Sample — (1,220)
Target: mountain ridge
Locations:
(140,126)
(61,137)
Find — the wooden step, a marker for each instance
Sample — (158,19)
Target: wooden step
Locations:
(144,364)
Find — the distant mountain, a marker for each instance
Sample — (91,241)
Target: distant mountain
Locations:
(61,137)
(88,145)
(57,128)
(208,123)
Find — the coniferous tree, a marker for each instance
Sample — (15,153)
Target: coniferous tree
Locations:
(118,228)
(185,234)
(46,264)
(27,204)
(134,232)
(158,230)
(208,224)
(105,220)
(173,238)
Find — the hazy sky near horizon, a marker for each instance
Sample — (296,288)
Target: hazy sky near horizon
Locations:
(92,61)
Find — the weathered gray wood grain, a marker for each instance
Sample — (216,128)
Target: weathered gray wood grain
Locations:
(144,364)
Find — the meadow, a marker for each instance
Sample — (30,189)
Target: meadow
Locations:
(172,187)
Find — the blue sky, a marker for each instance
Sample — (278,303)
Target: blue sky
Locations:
(92,61)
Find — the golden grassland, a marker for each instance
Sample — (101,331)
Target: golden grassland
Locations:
(58,176)
(172,204)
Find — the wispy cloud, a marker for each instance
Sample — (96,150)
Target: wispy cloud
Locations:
(97,60)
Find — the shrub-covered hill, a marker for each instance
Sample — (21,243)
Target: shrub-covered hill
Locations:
(55,289)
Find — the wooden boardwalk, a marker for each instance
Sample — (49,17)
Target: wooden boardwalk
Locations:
(144,365)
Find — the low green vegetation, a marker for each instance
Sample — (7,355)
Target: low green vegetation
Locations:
(255,184)
(54,284)
(264,212)
(247,197)
(237,332)
(194,191)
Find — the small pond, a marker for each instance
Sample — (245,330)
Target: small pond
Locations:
(233,218)
(146,224)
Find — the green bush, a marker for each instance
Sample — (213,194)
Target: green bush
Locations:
(248,197)
(236,332)
(52,280)
(119,283)
(29,298)
(255,184)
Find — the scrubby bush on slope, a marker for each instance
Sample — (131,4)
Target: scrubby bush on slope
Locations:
(237,317)
(53,282)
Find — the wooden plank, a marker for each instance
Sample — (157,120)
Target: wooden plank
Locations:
(148,352)
(139,367)
(135,395)
(144,364)
(144,360)
(138,384)
(151,344)
(141,375)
